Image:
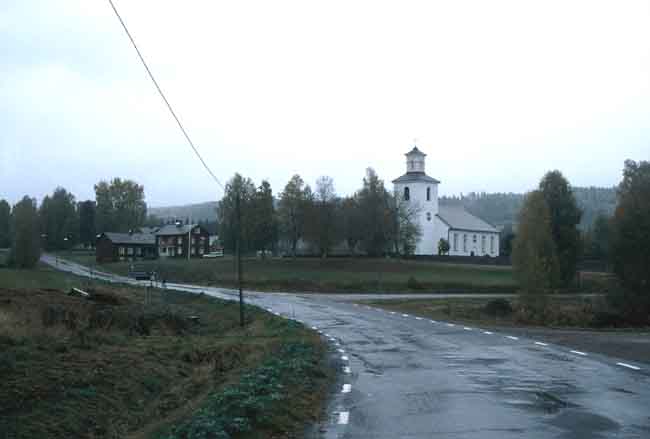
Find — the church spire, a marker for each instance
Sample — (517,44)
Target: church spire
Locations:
(415,161)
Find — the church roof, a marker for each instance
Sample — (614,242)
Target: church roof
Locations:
(456,217)
(415,150)
(411,177)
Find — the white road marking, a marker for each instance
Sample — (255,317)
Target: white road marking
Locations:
(629,366)
(341,351)
(393,312)
(579,353)
(346,369)
(539,343)
(344,358)
(511,337)
(346,388)
(344,417)
(405,315)
(314,328)
(488,332)
(326,334)
(418,318)
(467,329)
(450,324)
(433,321)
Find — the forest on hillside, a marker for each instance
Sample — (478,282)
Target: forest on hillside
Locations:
(502,209)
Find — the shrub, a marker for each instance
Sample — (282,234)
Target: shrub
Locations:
(498,307)
(413,284)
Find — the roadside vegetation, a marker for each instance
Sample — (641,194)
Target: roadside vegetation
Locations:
(175,365)
(324,275)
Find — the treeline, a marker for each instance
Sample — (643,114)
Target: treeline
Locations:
(501,209)
(548,243)
(372,220)
(61,222)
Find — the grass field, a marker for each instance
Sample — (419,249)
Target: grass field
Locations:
(325,275)
(573,311)
(112,366)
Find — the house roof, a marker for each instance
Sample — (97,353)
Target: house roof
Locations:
(411,177)
(173,229)
(456,217)
(134,238)
(148,229)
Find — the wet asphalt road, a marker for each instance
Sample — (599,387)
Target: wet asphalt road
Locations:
(408,377)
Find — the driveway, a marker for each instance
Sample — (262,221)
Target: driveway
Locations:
(409,377)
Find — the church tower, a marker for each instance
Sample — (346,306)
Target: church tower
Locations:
(417,188)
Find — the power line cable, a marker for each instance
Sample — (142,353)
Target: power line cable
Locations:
(162,95)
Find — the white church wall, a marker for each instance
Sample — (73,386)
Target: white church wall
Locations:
(428,243)
(466,243)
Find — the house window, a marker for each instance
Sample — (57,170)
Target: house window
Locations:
(200,250)
(492,244)
(428,194)
(407,194)
(138,251)
(465,242)
(163,250)
(179,251)
(193,241)
(179,240)
(482,243)
(428,216)
(193,250)
(121,251)
(455,241)
(129,251)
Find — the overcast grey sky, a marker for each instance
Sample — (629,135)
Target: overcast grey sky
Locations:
(496,92)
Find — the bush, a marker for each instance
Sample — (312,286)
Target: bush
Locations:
(498,308)
(413,284)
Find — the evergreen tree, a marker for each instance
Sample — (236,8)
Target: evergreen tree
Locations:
(323,225)
(631,241)
(25,240)
(87,235)
(227,213)
(565,217)
(377,219)
(292,209)
(265,224)
(5,220)
(59,220)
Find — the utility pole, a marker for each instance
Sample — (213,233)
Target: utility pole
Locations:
(239,267)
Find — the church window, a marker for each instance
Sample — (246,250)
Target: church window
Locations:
(482,243)
(492,244)
(428,216)
(428,194)
(474,239)
(465,242)
(407,194)
(455,241)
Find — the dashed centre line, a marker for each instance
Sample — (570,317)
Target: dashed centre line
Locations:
(488,332)
(344,358)
(405,315)
(450,324)
(629,366)
(347,369)
(539,343)
(342,351)
(344,417)
(579,353)
(347,388)
(418,318)
(467,328)
(512,337)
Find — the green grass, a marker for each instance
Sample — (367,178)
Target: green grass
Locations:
(115,367)
(326,275)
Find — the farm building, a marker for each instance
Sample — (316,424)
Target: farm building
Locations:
(112,247)
(174,240)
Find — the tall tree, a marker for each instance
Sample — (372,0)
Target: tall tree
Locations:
(407,232)
(227,213)
(377,221)
(631,240)
(59,220)
(25,246)
(5,218)
(565,217)
(265,225)
(87,235)
(323,225)
(292,210)
(351,222)
(120,206)
(534,254)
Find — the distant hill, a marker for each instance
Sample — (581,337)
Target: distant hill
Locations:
(196,212)
(502,208)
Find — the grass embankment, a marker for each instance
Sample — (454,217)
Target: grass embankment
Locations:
(560,310)
(325,275)
(111,366)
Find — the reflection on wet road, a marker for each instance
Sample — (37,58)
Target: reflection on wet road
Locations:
(404,377)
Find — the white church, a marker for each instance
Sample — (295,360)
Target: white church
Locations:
(467,234)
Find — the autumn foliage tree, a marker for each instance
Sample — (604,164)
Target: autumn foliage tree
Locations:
(25,245)
(534,256)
